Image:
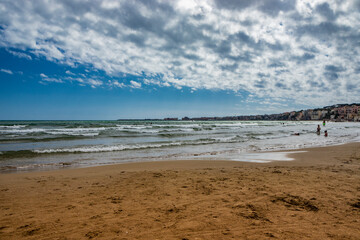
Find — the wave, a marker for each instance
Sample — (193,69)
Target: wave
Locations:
(12,126)
(5,155)
(34,138)
(165,126)
(53,131)
(18,130)
(174,135)
(91,132)
(106,148)
(93,149)
(112,148)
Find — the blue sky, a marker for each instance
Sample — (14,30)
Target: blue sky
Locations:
(155,59)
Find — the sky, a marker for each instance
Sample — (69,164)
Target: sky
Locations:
(105,59)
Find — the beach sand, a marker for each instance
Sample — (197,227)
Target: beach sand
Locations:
(316,196)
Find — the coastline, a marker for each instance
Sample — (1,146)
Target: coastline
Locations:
(34,146)
(315,196)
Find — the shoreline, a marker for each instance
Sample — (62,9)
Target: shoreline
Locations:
(315,196)
(44,147)
(290,155)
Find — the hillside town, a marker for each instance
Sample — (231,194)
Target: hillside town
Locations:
(336,113)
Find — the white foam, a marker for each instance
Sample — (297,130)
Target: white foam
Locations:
(178,125)
(79,129)
(92,149)
(357,139)
(73,133)
(130,127)
(17,130)
(82,149)
(13,126)
(265,157)
(56,131)
(238,124)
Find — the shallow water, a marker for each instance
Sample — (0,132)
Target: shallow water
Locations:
(36,145)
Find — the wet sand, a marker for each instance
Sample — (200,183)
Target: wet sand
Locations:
(316,196)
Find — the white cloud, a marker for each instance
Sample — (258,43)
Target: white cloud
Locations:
(94,83)
(302,50)
(20,55)
(117,84)
(7,71)
(81,79)
(46,79)
(134,84)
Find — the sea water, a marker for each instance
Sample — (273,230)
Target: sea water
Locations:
(37,145)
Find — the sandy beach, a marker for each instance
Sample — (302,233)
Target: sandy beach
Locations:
(316,196)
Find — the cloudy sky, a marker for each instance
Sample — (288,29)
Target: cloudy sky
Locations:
(77,59)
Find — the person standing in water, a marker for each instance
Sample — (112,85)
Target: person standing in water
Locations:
(324,123)
(318,130)
(326,133)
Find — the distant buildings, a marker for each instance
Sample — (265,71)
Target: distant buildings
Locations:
(171,119)
(337,113)
(346,113)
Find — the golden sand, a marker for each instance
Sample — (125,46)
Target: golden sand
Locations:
(316,196)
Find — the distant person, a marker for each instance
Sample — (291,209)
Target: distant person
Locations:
(324,123)
(297,134)
(318,130)
(325,133)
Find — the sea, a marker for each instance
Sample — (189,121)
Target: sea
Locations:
(47,145)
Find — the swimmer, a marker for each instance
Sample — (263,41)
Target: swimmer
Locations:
(318,130)
(326,134)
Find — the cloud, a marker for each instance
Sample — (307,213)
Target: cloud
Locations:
(303,58)
(298,46)
(280,85)
(117,84)
(46,79)
(95,80)
(7,71)
(94,83)
(234,4)
(20,55)
(80,79)
(332,72)
(260,83)
(323,30)
(269,7)
(274,7)
(134,84)
(325,10)
(333,68)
